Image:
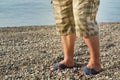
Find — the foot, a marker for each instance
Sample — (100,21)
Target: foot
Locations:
(62,65)
(87,71)
(91,69)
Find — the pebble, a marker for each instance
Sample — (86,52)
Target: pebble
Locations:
(27,54)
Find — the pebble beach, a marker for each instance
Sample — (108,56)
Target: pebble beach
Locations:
(26,53)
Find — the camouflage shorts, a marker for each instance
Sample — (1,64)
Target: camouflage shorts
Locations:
(76,16)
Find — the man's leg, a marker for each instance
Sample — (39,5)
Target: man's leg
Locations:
(68,47)
(93,45)
(65,26)
(85,19)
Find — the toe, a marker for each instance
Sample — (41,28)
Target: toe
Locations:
(82,73)
(51,67)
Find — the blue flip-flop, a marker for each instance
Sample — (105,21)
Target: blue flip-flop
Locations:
(60,66)
(89,71)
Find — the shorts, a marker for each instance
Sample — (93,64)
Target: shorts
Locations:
(76,16)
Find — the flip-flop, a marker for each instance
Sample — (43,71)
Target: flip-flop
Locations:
(89,71)
(60,66)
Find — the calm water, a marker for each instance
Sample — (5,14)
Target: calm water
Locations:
(39,12)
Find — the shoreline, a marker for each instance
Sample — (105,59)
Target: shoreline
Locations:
(36,27)
(100,23)
(27,52)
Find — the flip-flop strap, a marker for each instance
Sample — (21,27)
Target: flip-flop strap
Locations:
(56,66)
(90,70)
(61,66)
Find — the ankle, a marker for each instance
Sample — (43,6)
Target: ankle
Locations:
(95,65)
(94,61)
(68,62)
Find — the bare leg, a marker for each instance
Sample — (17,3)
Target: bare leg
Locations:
(93,45)
(68,47)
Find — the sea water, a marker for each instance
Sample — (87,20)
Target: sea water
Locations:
(39,12)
